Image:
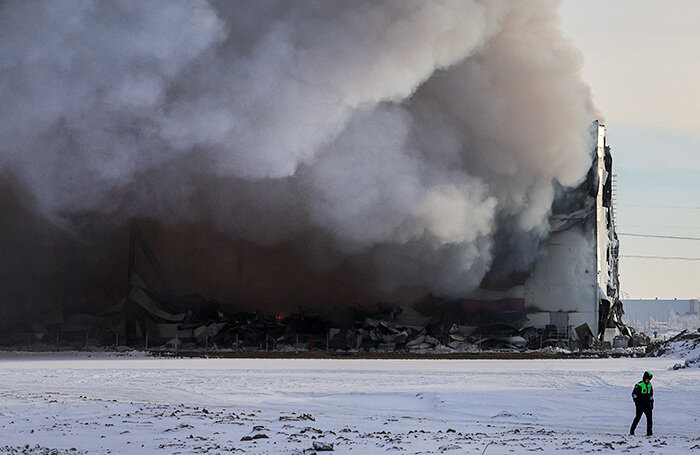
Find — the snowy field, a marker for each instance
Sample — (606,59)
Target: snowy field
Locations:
(72,404)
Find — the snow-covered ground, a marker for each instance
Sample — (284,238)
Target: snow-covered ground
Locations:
(168,406)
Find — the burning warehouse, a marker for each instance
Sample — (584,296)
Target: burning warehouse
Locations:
(382,172)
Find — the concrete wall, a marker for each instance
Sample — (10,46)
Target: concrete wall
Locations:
(564,279)
(603,242)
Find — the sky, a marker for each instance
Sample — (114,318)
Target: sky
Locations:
(642,62)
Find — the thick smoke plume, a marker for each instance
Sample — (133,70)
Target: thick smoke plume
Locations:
(415,144)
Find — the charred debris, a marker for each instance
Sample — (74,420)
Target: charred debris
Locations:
(151,317)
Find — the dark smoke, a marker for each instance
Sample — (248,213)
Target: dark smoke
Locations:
(281,152)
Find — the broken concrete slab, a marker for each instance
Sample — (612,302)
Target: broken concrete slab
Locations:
(208,331)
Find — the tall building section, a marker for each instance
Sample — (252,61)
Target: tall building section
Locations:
(575,282)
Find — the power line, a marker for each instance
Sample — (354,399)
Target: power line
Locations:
(663,226)
(674,207)
(655,236)
(676,258)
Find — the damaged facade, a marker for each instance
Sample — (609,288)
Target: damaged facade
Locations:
(570,296)
(576,281)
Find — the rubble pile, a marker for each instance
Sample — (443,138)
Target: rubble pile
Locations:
(152,316)
(192,323)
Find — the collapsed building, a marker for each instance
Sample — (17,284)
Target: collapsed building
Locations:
(351,174)
(568,298)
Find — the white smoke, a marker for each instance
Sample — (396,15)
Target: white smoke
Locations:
(417,136)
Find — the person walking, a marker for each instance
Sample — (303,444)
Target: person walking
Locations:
(643,396)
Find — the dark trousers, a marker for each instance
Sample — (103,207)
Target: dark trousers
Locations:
(643,408)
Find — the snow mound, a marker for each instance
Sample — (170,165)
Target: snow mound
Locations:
(685,345)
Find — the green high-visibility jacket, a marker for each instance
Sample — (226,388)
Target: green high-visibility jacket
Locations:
(643,393)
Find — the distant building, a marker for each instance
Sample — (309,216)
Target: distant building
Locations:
(640,311)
